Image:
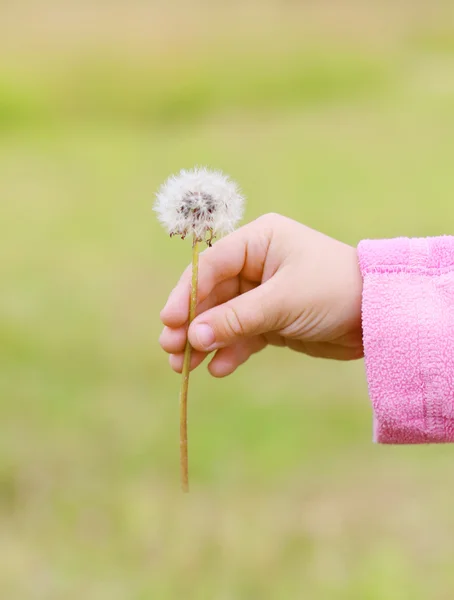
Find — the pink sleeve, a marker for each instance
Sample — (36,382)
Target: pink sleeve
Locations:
(408,333)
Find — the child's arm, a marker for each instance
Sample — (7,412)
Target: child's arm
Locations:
(408,334)
(275,281)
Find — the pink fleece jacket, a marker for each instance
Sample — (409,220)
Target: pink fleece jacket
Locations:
(408,333)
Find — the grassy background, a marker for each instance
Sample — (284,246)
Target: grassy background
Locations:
(339,116)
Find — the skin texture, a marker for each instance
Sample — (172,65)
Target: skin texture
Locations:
(274,281)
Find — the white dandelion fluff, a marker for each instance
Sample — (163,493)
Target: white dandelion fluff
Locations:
(199,202)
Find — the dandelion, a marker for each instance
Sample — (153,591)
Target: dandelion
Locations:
(199,202)
(203,204)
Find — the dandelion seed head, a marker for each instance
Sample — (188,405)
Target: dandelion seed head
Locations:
(199,202)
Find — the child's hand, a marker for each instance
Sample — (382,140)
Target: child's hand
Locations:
(274,281)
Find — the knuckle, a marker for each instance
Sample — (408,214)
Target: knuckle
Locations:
(270,218)
(270,223)
(233,323)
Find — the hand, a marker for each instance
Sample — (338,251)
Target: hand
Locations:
(274,281)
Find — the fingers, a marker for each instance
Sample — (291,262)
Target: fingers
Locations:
(227,360)
(253,313)
(243,251)
(173,340)
(176,360)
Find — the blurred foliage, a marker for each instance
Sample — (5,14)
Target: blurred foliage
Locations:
(109,91)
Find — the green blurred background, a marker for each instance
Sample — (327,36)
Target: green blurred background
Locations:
(338,114)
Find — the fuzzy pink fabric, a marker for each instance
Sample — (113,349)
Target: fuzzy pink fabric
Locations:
(408,332)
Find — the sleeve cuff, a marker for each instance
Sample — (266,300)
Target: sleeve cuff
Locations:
(408,336)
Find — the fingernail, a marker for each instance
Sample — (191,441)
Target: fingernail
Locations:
(205,336)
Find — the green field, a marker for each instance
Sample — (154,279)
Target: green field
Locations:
(350,132)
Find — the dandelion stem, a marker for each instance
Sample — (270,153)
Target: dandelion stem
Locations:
(185,374)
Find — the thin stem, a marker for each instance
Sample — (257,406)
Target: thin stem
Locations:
(185,374)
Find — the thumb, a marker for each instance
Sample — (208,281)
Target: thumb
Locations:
(252,313)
